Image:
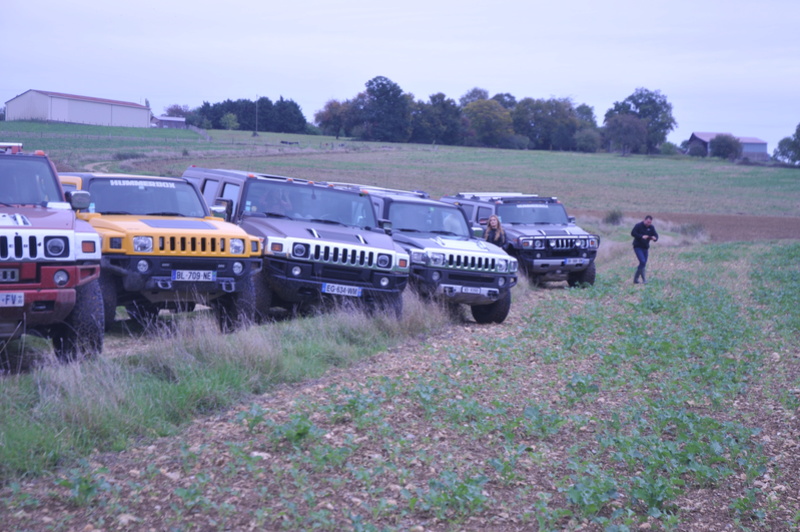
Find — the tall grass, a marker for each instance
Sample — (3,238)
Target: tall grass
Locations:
(59,413)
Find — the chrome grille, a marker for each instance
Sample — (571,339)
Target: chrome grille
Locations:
(19,248)
(562,243)
(342,255)
(470,262)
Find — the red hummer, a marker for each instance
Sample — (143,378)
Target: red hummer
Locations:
(49,259)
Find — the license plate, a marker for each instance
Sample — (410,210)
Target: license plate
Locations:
(12,299)
(470,290)
(194,275)
(9,275)
(573,261)
(341,290)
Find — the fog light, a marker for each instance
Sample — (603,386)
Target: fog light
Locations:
(384,282)
(501,281)
(142,266)
(296,271)
(436,276)
(61,278)
(238,268)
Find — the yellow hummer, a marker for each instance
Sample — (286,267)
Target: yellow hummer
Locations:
(162,249)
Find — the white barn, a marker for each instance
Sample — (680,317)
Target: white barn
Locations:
(60,107)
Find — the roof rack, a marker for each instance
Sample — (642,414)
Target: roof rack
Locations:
(374,189)
(494,196)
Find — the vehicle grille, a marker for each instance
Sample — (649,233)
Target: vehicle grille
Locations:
(470,262)
(562,244)
(193,245)
(20,248)
(343,255)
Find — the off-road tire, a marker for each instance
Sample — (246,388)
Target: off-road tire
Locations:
(108,287)
(263,297)
(81,334)
(236,310)
(495,312)
(584,277)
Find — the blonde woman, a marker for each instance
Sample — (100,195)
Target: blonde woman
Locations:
(494,232)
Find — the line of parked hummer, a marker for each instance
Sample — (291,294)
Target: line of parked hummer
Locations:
(76,246)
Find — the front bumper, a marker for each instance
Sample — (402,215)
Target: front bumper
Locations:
(554,268)
(158,282)
(456,286)
(305,282)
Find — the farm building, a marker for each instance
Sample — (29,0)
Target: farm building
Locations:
(170,122)
(753,148)
(59,107)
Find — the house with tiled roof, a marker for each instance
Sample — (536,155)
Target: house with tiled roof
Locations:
(71,108)
(753,149)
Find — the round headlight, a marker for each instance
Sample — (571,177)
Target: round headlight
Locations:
(55,247)
(142,266)
(437,259)
(296,271)
(237,246)
(384,282)
(502,265)
(143,244)
(538,244)
(384,261)
(418,257)
(61,278)
(238,268)
(299,250)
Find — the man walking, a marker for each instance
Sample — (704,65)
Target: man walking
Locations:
(643,233)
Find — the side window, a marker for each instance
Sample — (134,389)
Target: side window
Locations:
(483,214)
(230,191)
(210,188)
(468,210)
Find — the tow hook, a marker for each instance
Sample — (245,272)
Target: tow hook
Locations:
(165,285)
(228,286)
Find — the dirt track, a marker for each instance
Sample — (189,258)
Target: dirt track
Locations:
(724,227)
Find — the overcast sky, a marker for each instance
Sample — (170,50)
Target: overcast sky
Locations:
(724,65)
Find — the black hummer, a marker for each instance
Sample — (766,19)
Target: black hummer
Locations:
(319,241)
(447,262)
(547,243)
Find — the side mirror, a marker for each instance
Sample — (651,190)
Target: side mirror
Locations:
(386,225)
(79,199)
(223,207)
(571,219)
(477,231)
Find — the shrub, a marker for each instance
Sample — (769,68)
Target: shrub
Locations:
(125,155)
(669,148)
(696,150)
(613,217)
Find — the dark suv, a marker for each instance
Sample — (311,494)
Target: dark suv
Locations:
(447,261)
(547,243)
(320,242)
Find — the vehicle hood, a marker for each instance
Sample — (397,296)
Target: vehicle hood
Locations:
(514,231)
(311,231)
(445,243)
(162,226)
(53,217)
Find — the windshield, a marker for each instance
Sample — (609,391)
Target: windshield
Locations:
(532,213)
(27,181)
(145,196)
(428,218)
(308,202)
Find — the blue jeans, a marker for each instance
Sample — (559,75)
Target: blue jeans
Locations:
(641,255)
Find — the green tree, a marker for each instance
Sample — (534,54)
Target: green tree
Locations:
(387,112)
(437,121)
(549,124)
(625,132)
(725,147)
(654,109)
(177,110)
(229,121)
(331,118)
(473,95)
(287,117)
(506,100)
(489,122)
(587,140)
(788,150)
(585,114)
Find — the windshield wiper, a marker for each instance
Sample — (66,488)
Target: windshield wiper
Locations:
(445,233)
(409,230)
(113,212)
(165,213)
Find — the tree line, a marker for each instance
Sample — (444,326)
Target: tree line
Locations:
(281,116)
